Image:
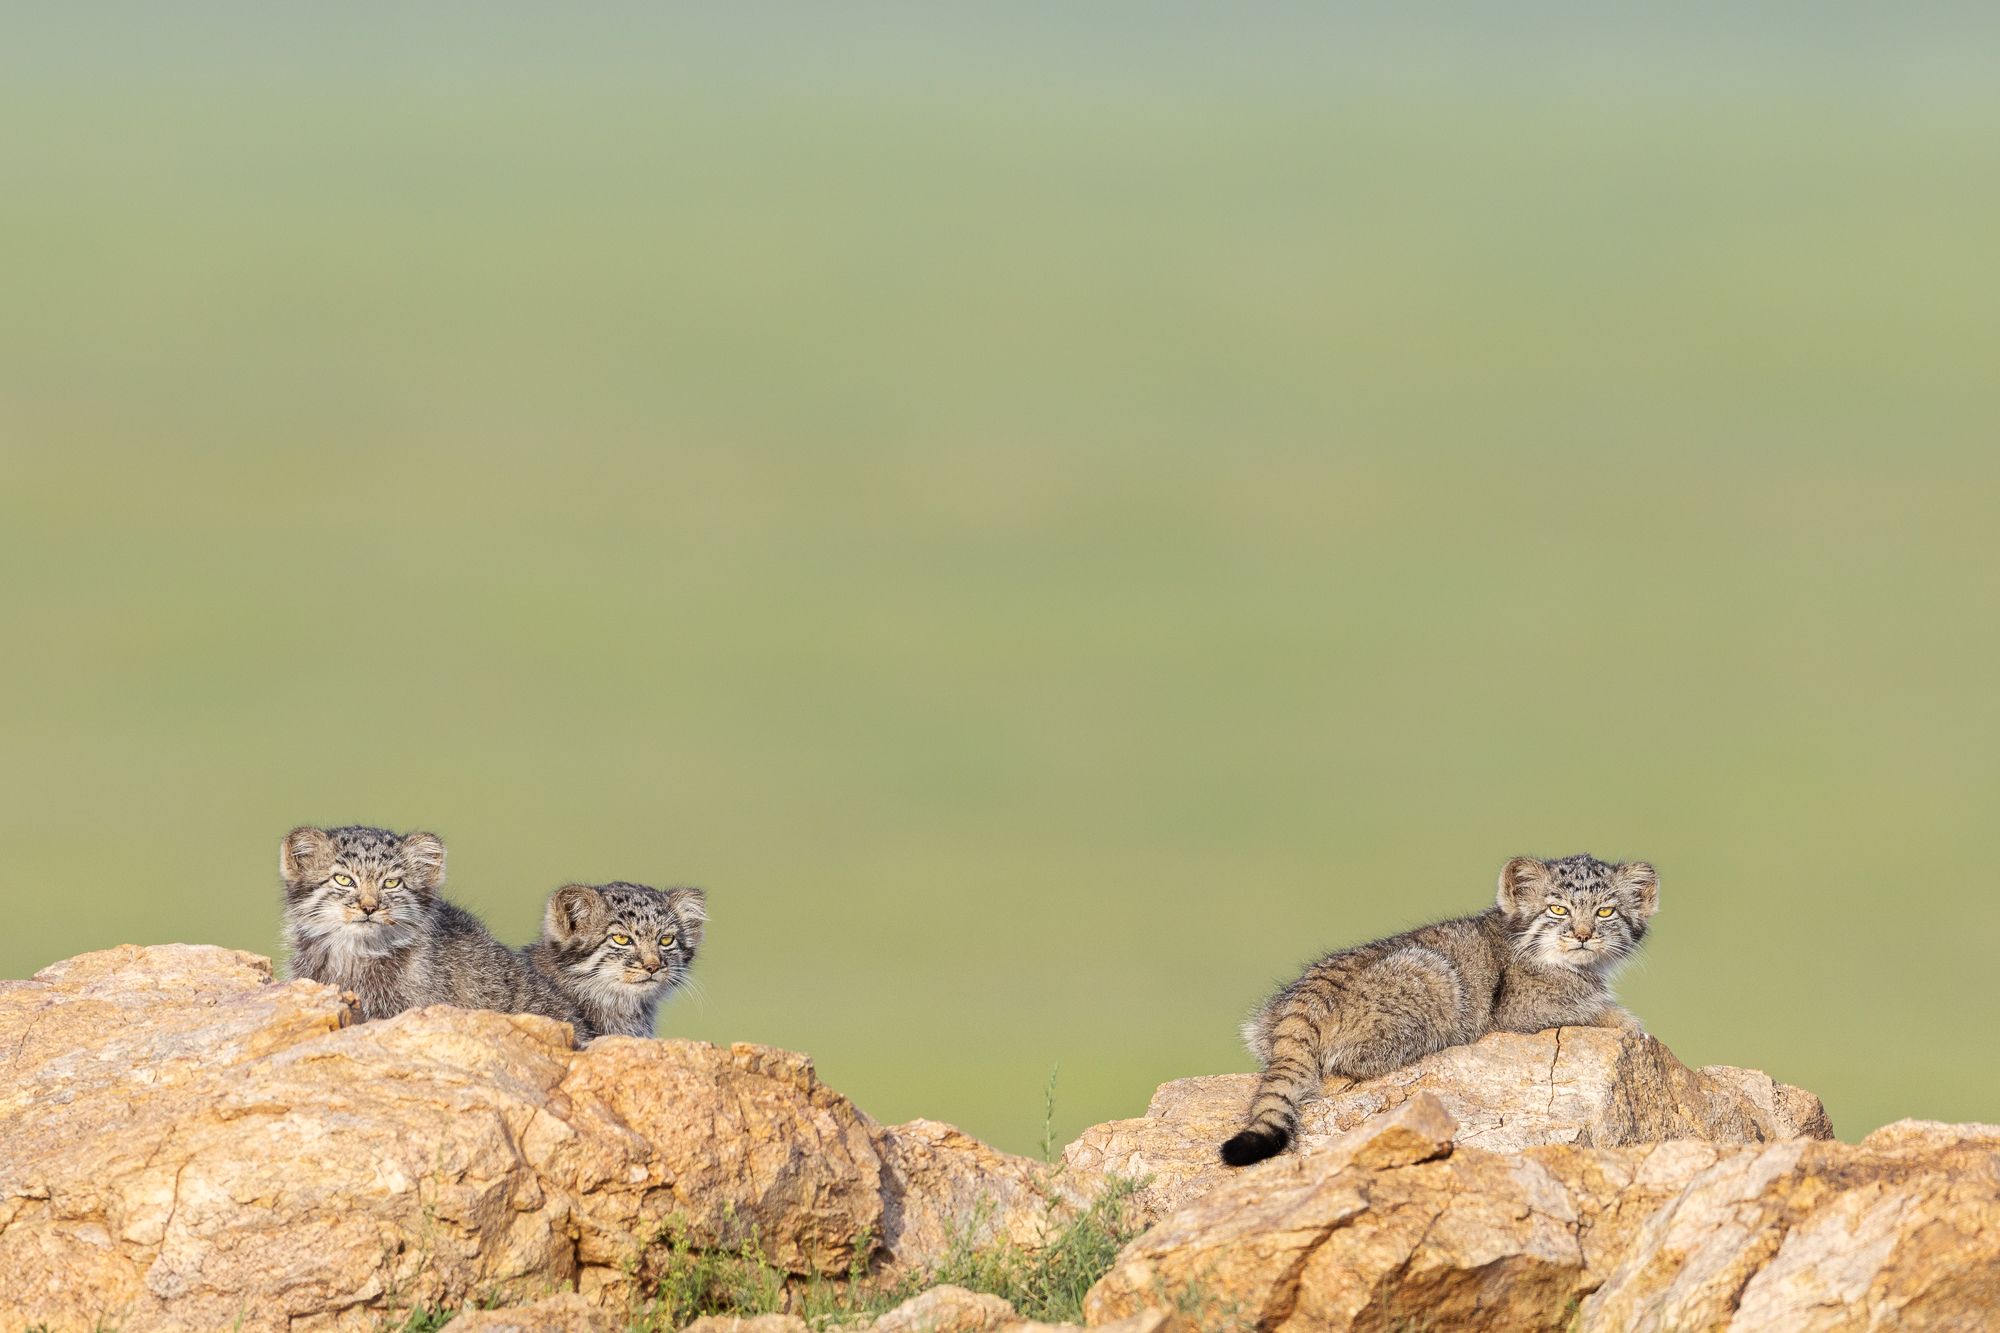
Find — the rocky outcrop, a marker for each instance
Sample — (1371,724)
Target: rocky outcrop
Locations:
(1403,1224)
(186,1144)
(1593,1087)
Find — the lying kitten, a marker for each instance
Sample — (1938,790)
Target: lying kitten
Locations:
(616,951)
(1541,957)
(362,912)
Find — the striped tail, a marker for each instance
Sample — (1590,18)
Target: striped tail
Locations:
(1291,1076)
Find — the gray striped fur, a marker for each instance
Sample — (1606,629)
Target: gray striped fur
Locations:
(1540,957)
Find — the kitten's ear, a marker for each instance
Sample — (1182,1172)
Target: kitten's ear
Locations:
(423,854)
(305,851)
(690,908)
(1523,881)
(570,909)
(1639,879)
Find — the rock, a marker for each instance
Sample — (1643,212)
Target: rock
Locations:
(756,1323)
(1587,1086)
(566,1313)
(187,1144)
(1417,1131)
(1148,1321)
(718,1146)
(1899,1231)
(940,1185)
(184,1143)
(1791,1113)
(947,1309)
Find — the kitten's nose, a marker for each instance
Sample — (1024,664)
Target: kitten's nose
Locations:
(368,906)
(1583,932)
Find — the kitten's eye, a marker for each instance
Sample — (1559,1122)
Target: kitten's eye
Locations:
(667,941)
(344,881)
(621,939)
(395,883)
(1557,909)
(1605,911)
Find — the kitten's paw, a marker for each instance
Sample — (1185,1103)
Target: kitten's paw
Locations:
(1254,1145)
(1624,1020)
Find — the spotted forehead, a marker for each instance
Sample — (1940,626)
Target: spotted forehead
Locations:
(366,846)
(636,904)
(1580,874)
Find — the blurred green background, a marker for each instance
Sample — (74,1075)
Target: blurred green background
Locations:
(1054,515)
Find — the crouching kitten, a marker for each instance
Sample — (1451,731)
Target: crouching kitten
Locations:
(616,951)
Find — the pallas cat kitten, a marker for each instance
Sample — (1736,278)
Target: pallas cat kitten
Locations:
(362,912)
(617,950)
(1540,957)
(359,909)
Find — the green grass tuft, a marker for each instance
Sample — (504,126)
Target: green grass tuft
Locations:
(1048,1284)
(694,1282)
(1045,1284)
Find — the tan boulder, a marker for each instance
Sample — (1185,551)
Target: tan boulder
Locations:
(1146,1321)
(941,1186)
(1594,1087)
(752,1323)
(565,1313)
(716,1145)
(947,1309)
(1785,1111)
(1900,1231)
(950,1309)
(185,1144)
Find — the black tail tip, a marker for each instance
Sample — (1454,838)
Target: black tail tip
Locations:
(1254,1145)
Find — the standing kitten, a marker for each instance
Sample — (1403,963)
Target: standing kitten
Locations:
(363,913)
(1541,957)
(616,950)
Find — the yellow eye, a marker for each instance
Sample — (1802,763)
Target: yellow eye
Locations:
(621,939)
(344,881)
(395,883)
(667,941)
(1557,909)
(1605,911)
